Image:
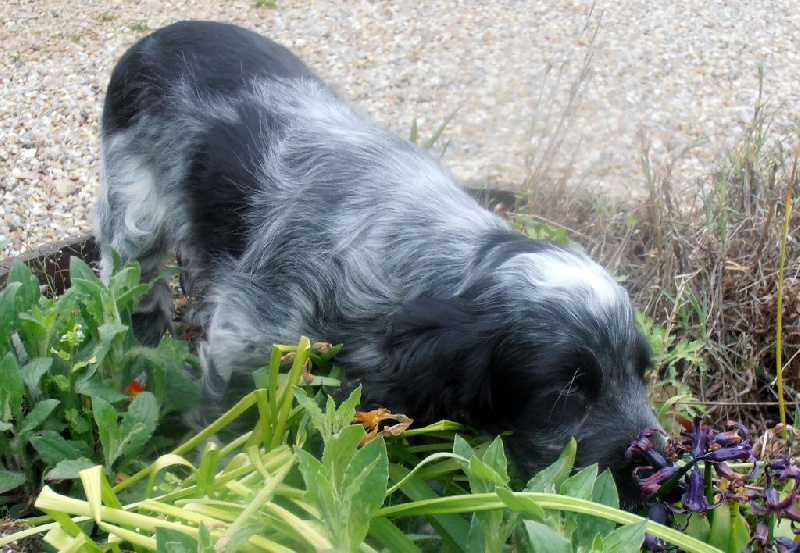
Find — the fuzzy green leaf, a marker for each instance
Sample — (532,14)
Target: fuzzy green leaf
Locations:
(482,477)
(8,313)
(29,292)
(69,469)
(520,504)
(128,300)
(79,270)
(105,416)
(174,541)
(462,449)
(316,416)
(111,331)
(626,538)
(92,386)
(38,415)
(549,479)
(10,480)
(545,539)
(347,409)
(580,485)
(605,490)
(33,371)
(364,487)
(339,451)
(53,448)
(138,424)
(11,389)
(604,493)
(495,458)
(320,492)
(476,539)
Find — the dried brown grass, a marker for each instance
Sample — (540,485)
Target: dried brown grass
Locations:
(703,261)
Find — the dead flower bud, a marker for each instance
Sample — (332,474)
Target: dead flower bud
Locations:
(321,348)
(374,420)
(307,376)
(288,357)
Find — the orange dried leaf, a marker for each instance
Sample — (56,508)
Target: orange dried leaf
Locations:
(372,421)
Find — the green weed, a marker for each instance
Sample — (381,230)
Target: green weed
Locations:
(65,364)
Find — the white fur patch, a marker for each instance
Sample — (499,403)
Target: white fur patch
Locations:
(569,278)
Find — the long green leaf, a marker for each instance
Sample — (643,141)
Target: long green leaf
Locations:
(138,424)
(11,389)
(390,536)
(10,480)
(8,314)
(105,416)
(54,448)
(37,416)
(545,539)
(487,501)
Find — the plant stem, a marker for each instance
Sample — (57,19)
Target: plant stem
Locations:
(779,324)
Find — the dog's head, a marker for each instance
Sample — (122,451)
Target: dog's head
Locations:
(541,341)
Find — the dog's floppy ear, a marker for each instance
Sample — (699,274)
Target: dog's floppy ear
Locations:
(440,352)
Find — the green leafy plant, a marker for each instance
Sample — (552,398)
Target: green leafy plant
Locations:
(672,356)
(65,364)
(305,478)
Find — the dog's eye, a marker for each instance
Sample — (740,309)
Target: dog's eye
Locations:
(564,405)
(574,385)
(566,402)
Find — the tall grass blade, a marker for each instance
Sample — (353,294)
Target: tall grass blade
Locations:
(781,270)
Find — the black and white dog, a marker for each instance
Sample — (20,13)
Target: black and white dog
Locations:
(294,214)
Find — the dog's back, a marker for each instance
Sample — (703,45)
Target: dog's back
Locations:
(202,53)
(222,143)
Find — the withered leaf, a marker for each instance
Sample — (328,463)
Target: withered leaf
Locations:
(374,423)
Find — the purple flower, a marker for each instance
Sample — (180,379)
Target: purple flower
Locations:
(761,535)
(787,545)
(698,441)
(740,452)
(792,512)
(643,452)
(726,472)
(735,434)
(694,499)
(651,484)
(786,468)
(773,504)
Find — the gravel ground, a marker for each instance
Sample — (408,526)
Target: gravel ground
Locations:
(677,71)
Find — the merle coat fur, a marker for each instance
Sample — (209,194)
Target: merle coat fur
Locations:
(294,214)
